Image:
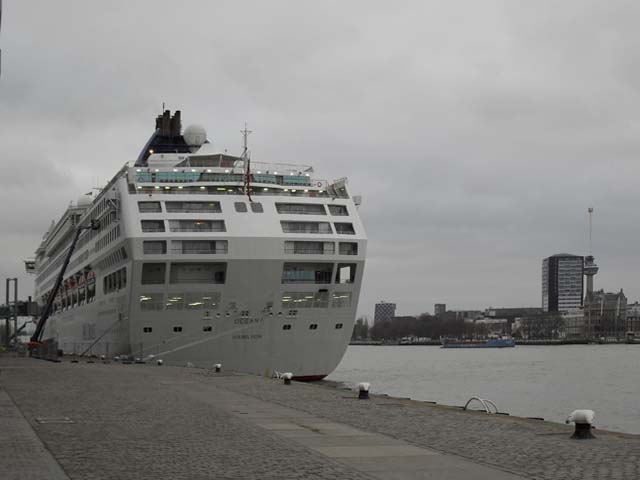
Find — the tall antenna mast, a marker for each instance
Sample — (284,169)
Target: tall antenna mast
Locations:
(245,133)
(247,161)
(590,210)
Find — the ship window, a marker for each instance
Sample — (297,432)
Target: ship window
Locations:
(193,247)
(177,329)
(153,273)
(154,247)
(152,226)
(240,207)
(195,300)
(346,273)
(305,300)
(286,327)
(193,207)
(348,248)
(147,329)
(338,210)
(207,328)
(197,226)
(306,227)
(341,300)
(313,326)
(298,272)
(338,326)
(115,281)
(345,228)
(151,301)
(301,208)
(256,207)
(309,248)
(198,273)
(149,207)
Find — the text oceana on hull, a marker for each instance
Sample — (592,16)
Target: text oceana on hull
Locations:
(202,257)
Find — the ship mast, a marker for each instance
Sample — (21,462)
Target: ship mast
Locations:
(247,161)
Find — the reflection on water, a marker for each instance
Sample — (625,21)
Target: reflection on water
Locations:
(529,381)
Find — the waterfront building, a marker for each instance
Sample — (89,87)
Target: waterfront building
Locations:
(633,317)
(467,314)
(511,314)
(562,282)
(607,314)
(439,309)
(574,326)
(384,312)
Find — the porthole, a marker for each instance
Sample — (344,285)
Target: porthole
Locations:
(338,326)
(177,329)
(313,326)
(286,327)
(147,329)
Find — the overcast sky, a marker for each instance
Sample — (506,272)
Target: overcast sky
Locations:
(478,133)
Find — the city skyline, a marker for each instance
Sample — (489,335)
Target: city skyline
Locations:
(476,151)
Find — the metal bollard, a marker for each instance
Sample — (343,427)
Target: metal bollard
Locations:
(217,367)
(287,378)
(583,420)
(363,391)
(159,362)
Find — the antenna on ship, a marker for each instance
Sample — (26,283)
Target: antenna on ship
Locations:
(247,160)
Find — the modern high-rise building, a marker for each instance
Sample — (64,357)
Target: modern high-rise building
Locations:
(562,282)
(439,309)
(384,312)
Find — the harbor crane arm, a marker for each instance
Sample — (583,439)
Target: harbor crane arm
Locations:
(37,335)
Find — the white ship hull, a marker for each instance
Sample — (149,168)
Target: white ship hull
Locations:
(279,301)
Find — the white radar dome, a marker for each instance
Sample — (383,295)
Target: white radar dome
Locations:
(85,200)
(195,135)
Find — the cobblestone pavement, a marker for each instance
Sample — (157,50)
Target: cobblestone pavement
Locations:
(21,448)
(128,424)
(535,449)
(143,421)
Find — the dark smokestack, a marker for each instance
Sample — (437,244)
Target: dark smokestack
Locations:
(176,125)
(165,131)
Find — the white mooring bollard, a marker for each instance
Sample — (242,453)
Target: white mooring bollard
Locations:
(287,378)
(159,362)
(363,390)
(583,420)
(217,367)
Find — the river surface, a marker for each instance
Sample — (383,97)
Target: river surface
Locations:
(528,381)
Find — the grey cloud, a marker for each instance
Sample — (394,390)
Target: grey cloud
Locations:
(477,132)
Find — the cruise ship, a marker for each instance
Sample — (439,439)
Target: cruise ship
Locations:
(198,257)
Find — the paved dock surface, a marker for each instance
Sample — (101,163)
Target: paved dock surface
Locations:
(113,421)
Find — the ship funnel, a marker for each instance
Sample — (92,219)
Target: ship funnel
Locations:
(167,125)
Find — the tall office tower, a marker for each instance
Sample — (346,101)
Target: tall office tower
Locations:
(439,309)
(562,282)
(384,312)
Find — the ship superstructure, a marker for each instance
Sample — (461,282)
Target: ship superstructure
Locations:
(204,257)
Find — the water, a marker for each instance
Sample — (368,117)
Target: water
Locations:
(528,381)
